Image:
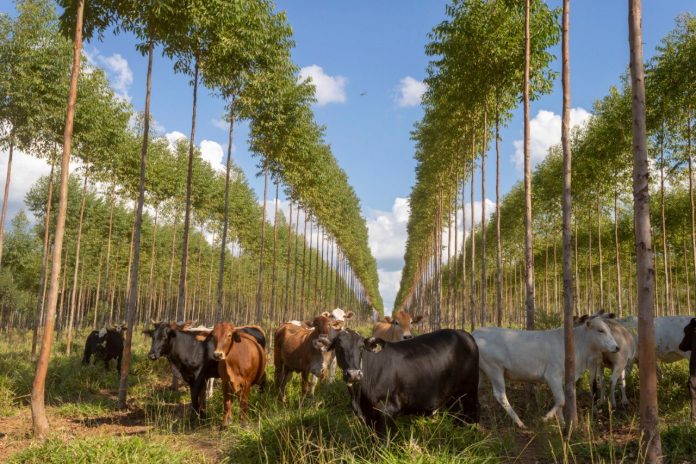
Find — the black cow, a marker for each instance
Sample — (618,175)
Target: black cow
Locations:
(415,376)
(106,344)
(191,354)
(688,343)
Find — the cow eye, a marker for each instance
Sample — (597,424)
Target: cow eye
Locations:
(601,331)
(229,335)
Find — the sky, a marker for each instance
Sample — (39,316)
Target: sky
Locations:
(367,61)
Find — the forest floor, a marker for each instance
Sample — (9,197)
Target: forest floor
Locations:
(158,427)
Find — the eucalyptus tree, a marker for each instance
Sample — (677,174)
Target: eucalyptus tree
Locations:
(649,418)
(39,420)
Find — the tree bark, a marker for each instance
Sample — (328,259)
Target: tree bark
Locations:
(498,248)
(259,283)
(473,238)
(38,409)
(667,310)
(484,148)
(73,293)
(645,272)
(225,218)
(181,303)
(275,252)
(528,234)
(132,299)
(6,193)
(570,408)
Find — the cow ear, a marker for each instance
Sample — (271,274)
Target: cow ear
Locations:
(584,318)
(374,344)
(348,315)
(326,314)
(236,337)
(611,316)
(388,319)
(149,332)
(416,319)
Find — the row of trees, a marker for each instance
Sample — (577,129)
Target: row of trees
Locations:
(240,49)
(610,235)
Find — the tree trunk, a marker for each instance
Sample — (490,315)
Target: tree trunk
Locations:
(645,272)
(528,236)
(259,285)
(287,269)
(691,193)
(73,293)
(132,300)
(275,253)
(473,238)
(601,259)
(498,248)
(619,286)
(570,408)
(296,240)
(181,303)
(666,310)
(6,194)
(225,217)
(464,308)
(484,148)
(38,313)
(38,410)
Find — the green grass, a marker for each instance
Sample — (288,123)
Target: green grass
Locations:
(321,430)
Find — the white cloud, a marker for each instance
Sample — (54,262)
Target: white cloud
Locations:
(410,92)
(117,70)
(387,232)
(388,286)
(328,89)
(173,137)
(220,124)
(545,132)
(212,153)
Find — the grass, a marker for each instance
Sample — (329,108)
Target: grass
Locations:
(158,427)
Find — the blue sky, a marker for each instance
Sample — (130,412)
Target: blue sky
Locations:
(365,50)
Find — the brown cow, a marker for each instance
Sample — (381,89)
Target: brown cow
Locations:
(397,329)
(302,350)
(243,364)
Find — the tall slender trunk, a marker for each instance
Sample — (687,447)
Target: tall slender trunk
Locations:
(38,312)
(473,238)
(464,308)
(498,248)
(692,208)
(38,410)
(225,217)
(6,194)
(132,300)
(304,265)
(686,275)
(96,293)
(275,252)
(296,240)
(484,148)
(73,293)
(259,284)
(287,268)
(601,259)
(619,286)
(181,303)
(528,234)
(151,288)
(645,272)
(570,406)
(667,310)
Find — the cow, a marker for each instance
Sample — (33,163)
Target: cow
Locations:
(537,356)
(668,332)
(417,376)
(297,349)
(242,364)
(620,362)
(396,329)
(186,351)
(688,343)
(106,343)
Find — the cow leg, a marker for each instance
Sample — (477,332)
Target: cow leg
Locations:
(332,368)
(305,384)
(692,391)
(556,385)
(312,381)
(282,377)
(244,401)
(497,379)
(615,374)
(622,385)
(118,363)
(210,388)
(227,402)
(262,382)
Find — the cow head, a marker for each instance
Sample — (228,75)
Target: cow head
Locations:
(224,335)
(323,333)
(687,343)
(404,321)
(349,347)
(599,335)
(162,336)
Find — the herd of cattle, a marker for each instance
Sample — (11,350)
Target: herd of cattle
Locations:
(394,373)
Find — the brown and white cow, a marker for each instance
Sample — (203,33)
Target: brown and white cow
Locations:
(396,329)
(242,364)
(299,349)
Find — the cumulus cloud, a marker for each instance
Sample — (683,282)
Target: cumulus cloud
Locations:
(410,92)
(545,132)
(388,286)
(220,124)
(173,137)
(117,70)
(328,89)
(212,153)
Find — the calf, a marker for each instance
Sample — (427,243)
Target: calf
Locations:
(242,365)
(186,351)
(537,356)
(297,349)
(620,362)
(688,343)
(396,329)
(416,376)
(106,343)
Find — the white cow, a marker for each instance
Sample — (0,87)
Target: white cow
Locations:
(669,331)
(537,356)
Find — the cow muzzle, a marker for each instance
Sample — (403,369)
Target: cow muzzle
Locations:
(353,375)
(218,355)
(322,343)
(407,337)
(615,349)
